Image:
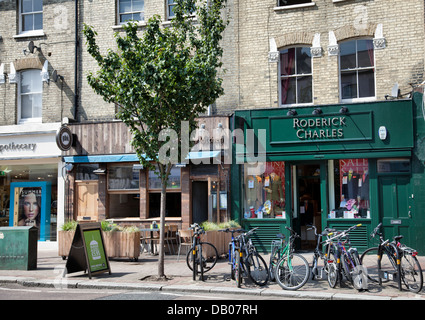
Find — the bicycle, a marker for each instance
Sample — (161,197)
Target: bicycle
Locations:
(348,260)
(327,255)
(290,269)
(252,262)
(389,264)
(235,257)
(195,259)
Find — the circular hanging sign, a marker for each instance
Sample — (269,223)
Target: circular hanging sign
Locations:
(64,138)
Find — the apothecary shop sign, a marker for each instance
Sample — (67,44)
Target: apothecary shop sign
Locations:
(12,146)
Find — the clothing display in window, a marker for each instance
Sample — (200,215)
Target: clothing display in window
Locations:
(254,187)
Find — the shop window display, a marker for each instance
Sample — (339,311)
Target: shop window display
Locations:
(265,191)
(351,189)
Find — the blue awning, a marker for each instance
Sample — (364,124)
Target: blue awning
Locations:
(194,155)
(102,158)
(197,155)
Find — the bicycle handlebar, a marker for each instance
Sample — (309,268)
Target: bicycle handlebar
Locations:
(375,231)
(341,234)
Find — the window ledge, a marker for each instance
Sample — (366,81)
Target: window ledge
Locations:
(28,34)
(121,26)
(295,6)
(357,100)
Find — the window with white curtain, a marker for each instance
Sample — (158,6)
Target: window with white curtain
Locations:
(30,96)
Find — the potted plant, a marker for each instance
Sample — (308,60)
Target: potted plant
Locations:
(120,242)
(220,240)
(65,236)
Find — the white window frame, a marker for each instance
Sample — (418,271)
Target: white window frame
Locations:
(20,94)
(296,75)
(142,13)
(169,6)
(33,31)
(353,100)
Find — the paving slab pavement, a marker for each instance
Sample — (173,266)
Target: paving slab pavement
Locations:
(140,275)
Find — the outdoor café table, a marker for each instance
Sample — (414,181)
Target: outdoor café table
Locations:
(145,231)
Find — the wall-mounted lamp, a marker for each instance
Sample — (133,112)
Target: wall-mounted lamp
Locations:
(343,110)
(292,112)
(317,111)
(69,167)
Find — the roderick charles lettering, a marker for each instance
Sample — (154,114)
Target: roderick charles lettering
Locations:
(319,128)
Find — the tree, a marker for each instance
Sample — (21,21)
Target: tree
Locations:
(160,80)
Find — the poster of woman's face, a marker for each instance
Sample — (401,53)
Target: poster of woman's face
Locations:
(30,207)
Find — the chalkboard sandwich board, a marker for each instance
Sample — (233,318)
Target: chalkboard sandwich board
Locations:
(87,251)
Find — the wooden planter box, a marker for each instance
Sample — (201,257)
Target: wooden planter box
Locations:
(117,244)
(122,244)
(220,240)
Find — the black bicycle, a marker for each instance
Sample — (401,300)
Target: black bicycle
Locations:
(393,261)
(202,256)
(328,257)
(253,263)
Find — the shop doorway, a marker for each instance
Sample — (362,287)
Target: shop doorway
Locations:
(396,206)
(199,201)
(87,195)
(307,203)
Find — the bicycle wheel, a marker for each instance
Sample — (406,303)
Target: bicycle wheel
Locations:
(359,272)
(292,271)
(200,262)
(331,270)
(411,272)
(238,268)
(232,262)
(346,267)
(257,268)
(381,267)
(274,258)
(208,258)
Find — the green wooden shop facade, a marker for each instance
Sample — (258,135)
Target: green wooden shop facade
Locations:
(332,165)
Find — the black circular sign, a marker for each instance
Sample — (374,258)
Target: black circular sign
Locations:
(64,138)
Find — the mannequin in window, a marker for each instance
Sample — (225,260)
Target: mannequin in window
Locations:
(350,185)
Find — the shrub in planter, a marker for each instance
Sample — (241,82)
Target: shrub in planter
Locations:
(120,242)
(220,240)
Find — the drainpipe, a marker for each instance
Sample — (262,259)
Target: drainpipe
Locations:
(76,97)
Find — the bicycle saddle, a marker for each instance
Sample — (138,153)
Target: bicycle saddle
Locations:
(397,238)
(280,236)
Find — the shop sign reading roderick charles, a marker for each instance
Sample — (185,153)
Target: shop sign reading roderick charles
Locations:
(64,138)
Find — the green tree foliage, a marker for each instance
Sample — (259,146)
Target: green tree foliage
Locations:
(160,76)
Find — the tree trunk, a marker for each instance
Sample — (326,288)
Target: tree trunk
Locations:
(161,272)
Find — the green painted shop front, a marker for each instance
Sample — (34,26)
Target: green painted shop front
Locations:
(331,165)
